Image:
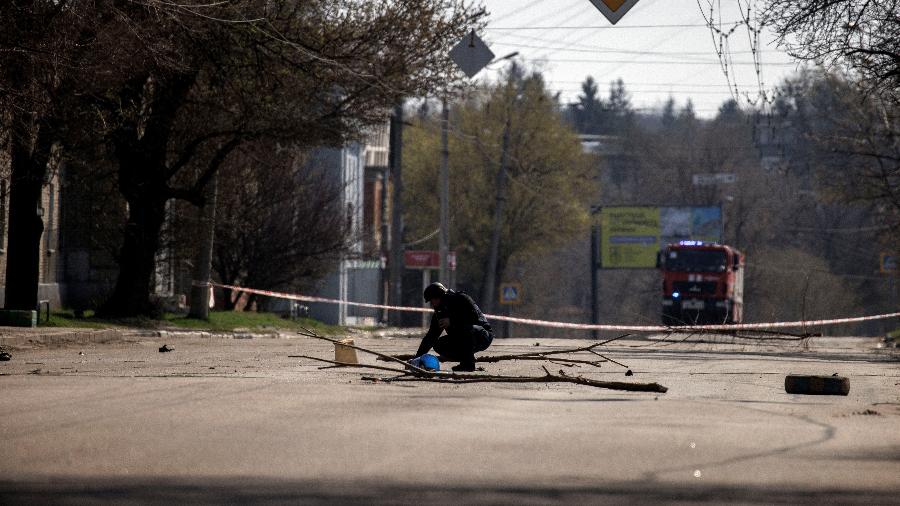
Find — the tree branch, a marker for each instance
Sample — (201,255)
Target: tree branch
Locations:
(413,373)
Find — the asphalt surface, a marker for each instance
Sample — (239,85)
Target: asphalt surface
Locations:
(220,421)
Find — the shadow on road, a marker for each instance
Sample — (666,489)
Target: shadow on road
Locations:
(157,491)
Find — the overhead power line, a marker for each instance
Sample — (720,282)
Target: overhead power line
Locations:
(570,48)
(633,91)
(608,50)
(606,27)
(664,62)
(637,83)
(517,10)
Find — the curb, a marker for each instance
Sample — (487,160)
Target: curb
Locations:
(202,334)
(106,335)
(75,337)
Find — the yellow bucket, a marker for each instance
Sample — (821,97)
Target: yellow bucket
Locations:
(345,354)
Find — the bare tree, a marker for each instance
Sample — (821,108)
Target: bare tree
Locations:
(309,73)
(791,284)
(280,221)
(49,50)
(861,37)
(847,147)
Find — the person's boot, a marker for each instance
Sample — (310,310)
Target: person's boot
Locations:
(465,366)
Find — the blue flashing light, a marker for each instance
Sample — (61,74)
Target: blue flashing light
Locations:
(675,295)
(691,243)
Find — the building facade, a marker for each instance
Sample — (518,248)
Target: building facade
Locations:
(51,287)
(358,276)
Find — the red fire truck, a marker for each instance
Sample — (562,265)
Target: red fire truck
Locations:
(702,283)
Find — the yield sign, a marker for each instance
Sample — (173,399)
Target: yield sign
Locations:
(614,9)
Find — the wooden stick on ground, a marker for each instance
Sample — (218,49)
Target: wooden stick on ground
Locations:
(412,373)
(774,335)
(545,355)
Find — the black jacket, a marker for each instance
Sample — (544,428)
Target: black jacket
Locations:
(463,314)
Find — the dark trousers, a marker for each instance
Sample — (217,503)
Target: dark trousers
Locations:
(461,345)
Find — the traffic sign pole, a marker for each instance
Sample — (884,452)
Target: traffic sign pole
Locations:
(471,55)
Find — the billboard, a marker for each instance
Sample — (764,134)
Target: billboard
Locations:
(631,236)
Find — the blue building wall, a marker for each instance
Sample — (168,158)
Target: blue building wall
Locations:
(352,279)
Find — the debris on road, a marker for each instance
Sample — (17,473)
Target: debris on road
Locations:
(166,348)
(4,356)
(427,361)
(549,356)
(344,352)
(816,385)
(410,372)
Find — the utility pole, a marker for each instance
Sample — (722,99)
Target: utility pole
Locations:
(491,275)
(200,291)
(384,242)
(595,274)
(445,195)
(396,262)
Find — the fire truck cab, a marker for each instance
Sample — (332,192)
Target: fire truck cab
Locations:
(701,283)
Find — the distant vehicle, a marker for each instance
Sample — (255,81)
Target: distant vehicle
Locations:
(702,283)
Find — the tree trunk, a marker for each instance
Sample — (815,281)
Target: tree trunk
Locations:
(137,259)
(141,150)
(26,226)
(200,293)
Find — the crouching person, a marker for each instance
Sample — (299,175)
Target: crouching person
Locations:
(467,330)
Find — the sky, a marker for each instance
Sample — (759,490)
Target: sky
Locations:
(661,48)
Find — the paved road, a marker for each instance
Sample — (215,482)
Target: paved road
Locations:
(238,421)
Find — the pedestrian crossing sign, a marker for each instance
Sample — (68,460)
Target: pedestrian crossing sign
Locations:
(614,9)
(510,293)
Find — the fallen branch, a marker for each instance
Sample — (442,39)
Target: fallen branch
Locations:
(543,355)
(773,336)
(548,378)
(768,335)
(412,373)
(309,333)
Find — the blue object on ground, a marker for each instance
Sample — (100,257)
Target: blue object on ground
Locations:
(427,361)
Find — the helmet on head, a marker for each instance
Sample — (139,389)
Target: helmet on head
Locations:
(435,291)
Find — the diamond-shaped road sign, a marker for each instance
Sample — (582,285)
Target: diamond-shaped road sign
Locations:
(471,54)
(614,9)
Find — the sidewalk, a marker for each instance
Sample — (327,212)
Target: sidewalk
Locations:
(18,336)
(24,336)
